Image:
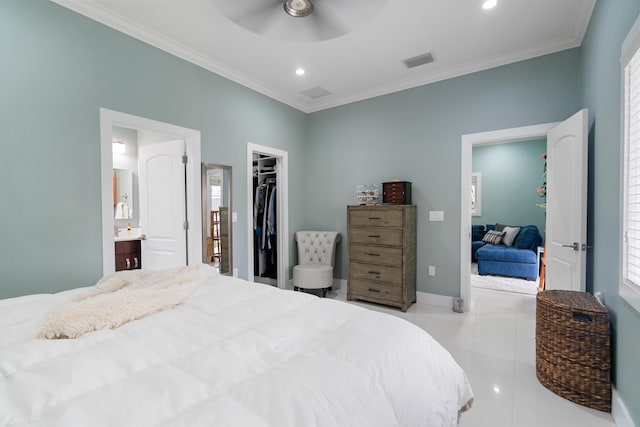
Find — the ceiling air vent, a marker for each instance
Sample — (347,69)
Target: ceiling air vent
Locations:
(316,92)
(419,60)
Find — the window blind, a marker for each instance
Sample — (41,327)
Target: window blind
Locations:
(631,215)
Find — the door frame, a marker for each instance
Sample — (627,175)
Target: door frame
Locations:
(282,210)
(468,142)
(110,118)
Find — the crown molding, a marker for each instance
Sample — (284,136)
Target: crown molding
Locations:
(122,24)
(139,32)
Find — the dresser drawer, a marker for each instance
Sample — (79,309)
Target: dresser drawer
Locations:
(380,291)
(376,254)
(373,236)
(378,273)
(375,218)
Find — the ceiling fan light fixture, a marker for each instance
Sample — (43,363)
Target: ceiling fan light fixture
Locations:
(298,8)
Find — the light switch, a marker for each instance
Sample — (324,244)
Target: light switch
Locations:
(234,216)
(436,215)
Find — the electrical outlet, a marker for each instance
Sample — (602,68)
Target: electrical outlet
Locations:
(432,270)
(235,272)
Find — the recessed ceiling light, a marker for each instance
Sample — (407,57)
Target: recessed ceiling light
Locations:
(300,71)
(489,4)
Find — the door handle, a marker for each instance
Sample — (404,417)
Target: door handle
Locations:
(128,264)
(575,246)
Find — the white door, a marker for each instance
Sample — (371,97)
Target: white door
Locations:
(566,234)
(162,204)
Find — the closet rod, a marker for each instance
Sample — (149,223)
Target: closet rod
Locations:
(264,158)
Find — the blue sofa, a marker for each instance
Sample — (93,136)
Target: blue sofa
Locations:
(518,260)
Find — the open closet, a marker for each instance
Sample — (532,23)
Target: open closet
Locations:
(265,223)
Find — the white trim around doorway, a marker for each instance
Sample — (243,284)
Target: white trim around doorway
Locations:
(468,142)
(110,118)
(282,209)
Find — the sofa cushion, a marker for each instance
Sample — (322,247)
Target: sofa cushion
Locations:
(474,247)
(505,254)
(528,238)
(477,231)
(510,234)
(493,236)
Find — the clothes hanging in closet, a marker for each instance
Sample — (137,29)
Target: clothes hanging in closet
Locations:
(264,224)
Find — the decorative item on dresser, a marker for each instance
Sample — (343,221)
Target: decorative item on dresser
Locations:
(382,254)
(396,192)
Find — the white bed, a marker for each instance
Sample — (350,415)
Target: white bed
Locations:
(233,354)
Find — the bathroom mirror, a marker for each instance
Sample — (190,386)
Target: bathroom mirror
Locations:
(122,194)
(216,217)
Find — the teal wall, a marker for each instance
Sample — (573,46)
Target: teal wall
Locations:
(415,135)
(58,69)
(511,173)
(602,89)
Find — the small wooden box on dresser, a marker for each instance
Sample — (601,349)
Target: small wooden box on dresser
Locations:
(381,254)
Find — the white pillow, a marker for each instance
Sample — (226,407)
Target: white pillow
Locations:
(510,234)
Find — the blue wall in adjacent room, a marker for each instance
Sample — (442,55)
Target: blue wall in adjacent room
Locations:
(510,175)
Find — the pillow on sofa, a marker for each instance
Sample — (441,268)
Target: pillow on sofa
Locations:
(510,234)
(500,227)
(528,238)
(493,236)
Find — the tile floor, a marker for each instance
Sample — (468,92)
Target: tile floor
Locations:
(495,344)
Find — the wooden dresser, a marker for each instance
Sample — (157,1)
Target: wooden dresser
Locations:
(381,254)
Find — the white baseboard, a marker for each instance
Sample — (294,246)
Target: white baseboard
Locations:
(433,299)
(619,411)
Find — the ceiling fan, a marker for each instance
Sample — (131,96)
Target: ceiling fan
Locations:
(300,20)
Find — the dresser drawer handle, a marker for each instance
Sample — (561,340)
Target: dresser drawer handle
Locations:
(374,272)
(128,264)
(374,217)
(371,254)
(374,236)
(374,290)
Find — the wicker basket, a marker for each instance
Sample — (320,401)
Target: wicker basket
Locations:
(573,349)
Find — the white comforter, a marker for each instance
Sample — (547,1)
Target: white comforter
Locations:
(234,354)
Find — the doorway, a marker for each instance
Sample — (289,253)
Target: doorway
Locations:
(217,233)
(257,238)
(191,138)
(468,142)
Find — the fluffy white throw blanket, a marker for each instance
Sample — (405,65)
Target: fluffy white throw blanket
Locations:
(122,297)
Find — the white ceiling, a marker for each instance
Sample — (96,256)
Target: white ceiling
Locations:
(364,63)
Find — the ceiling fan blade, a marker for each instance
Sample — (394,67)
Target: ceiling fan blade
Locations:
(339,17)
(247,13)
(329,19)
